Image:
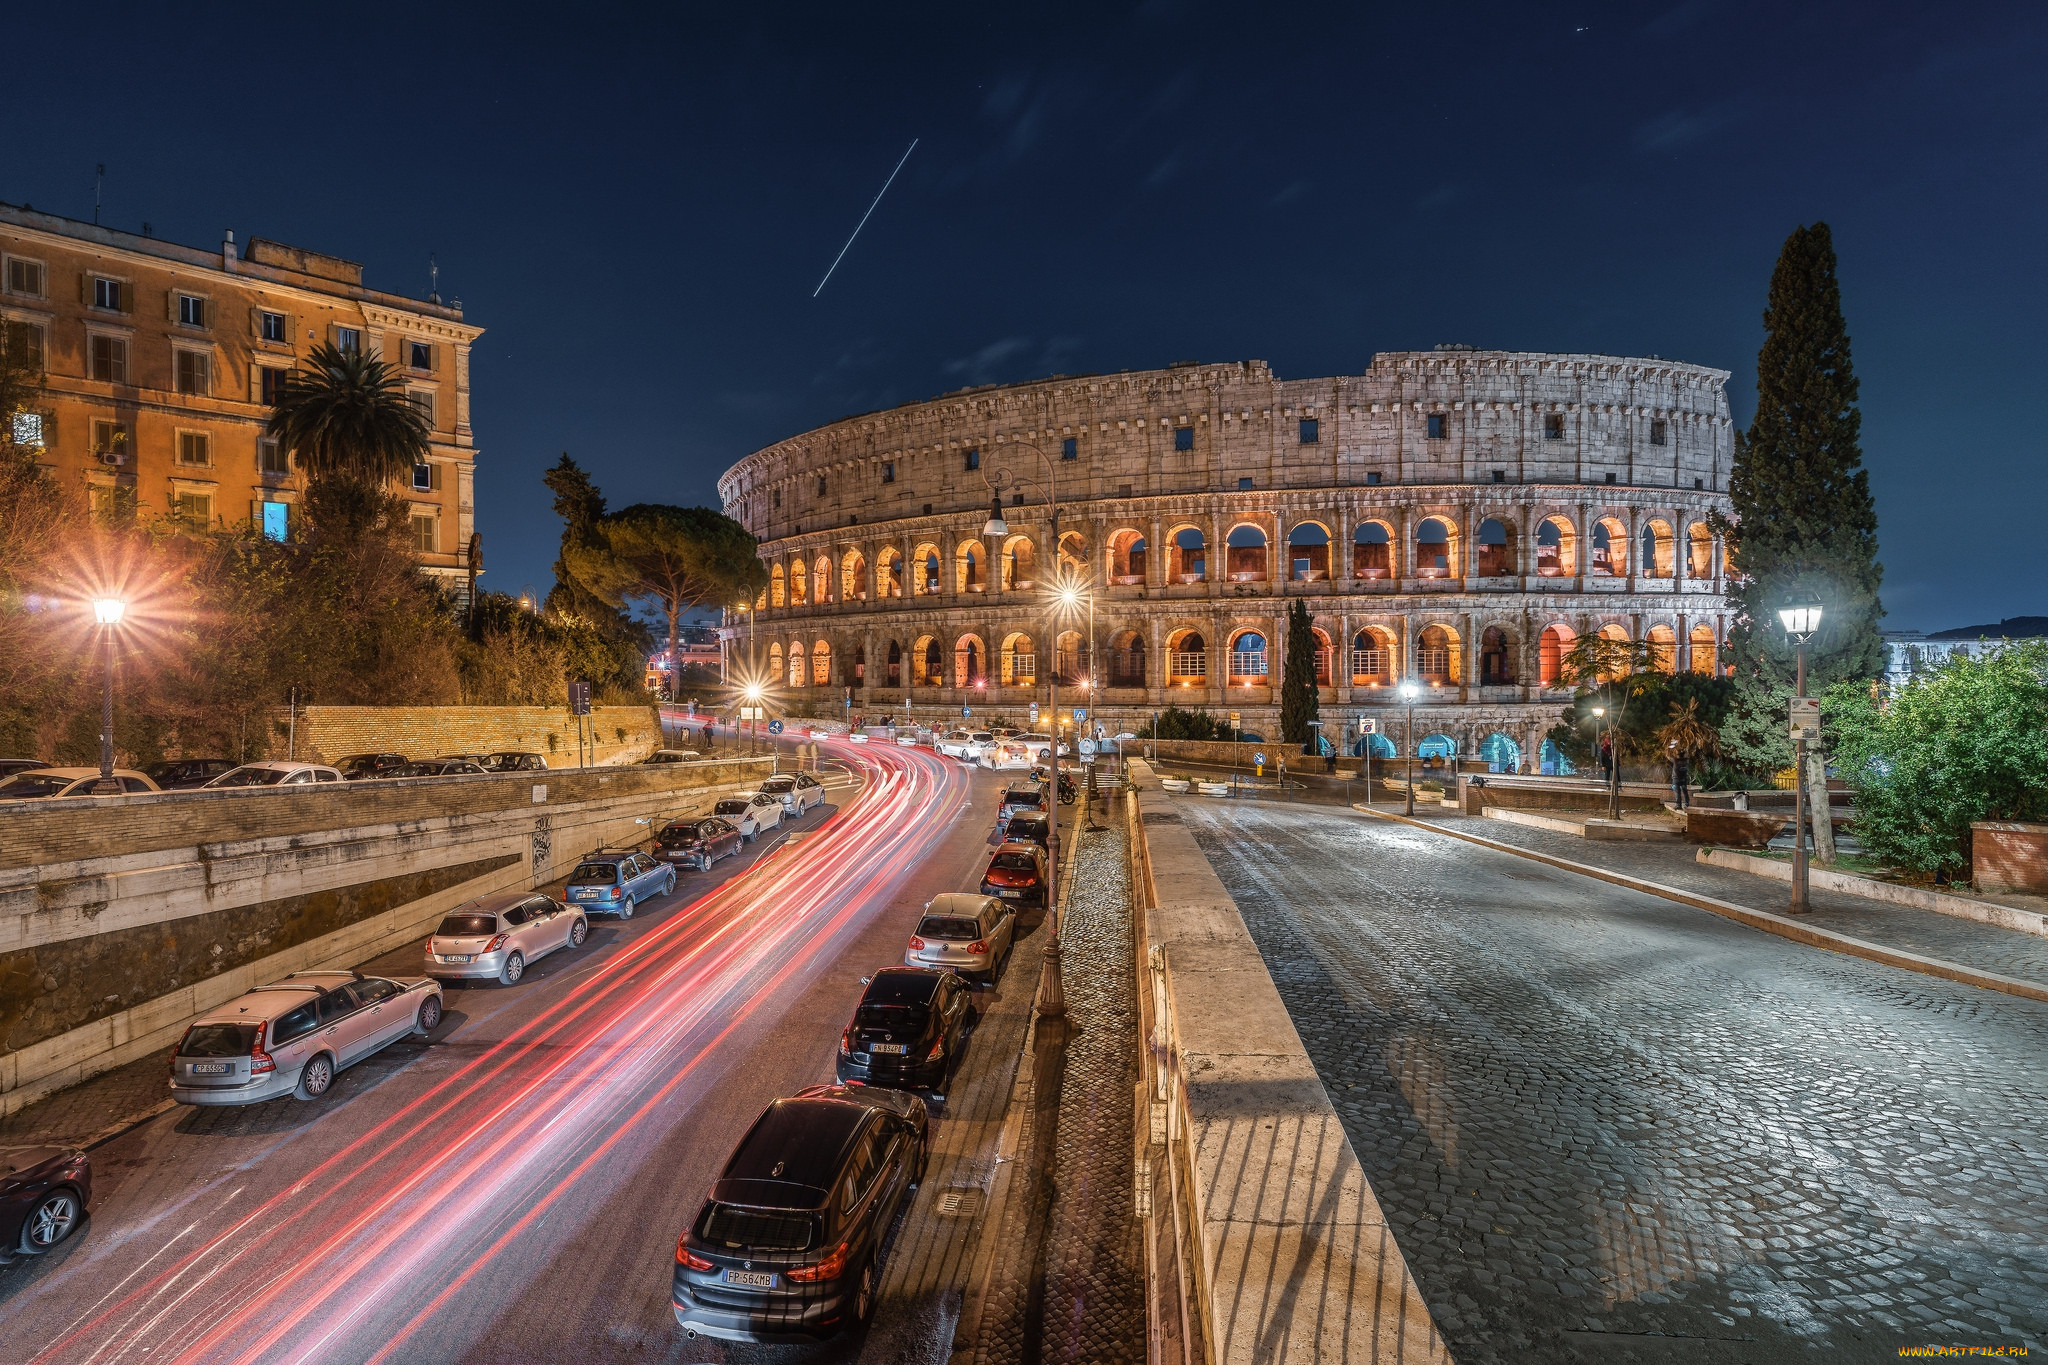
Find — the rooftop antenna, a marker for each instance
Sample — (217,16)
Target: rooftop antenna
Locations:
(99,174)
(433,279)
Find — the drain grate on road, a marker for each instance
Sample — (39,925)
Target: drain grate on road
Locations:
(962,1202)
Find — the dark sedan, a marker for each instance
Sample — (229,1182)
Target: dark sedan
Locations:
(907,1031)
(43,1194)
(1029,827)
(699,843)
(1016,872)
(785,1248)
(356,767)
(181,774)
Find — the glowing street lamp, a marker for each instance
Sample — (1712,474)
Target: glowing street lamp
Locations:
(108,611)
(1802,619)
(1409,692)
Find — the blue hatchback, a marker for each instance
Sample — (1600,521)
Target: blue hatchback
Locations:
(613,881)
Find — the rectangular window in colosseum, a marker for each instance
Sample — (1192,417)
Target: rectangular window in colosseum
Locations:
(888,471)
(1372,476)
(1310,431)
(1553,427)
(1070,449)
(1657,432)
(1183,438)
(973,459)
(1439,427)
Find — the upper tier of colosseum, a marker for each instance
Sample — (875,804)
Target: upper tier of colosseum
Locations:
(1502,417)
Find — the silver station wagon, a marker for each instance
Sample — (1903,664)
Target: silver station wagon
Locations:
(495,937)
(290,1038)
(965,933)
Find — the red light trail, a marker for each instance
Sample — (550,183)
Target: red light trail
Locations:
(382,1229)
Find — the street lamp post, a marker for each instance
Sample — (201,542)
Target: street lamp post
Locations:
(1409,691)
(1801,620)
(1612,764)
(108,611)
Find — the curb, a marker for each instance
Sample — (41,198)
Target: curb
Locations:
(1941,903)
(1764,920)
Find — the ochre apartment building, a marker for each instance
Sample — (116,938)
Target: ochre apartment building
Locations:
(161,362)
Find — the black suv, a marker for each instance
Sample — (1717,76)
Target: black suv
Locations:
(787,1245)
(181,774)
(908,1030)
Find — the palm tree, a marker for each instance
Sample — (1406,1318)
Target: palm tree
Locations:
(347,417)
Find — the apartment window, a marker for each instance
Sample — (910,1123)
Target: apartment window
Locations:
(1553,426)
(420,355)
(274,327)
(195,448)
(24,277)
(1372,476)
(973,460)
(888,471)
(1070,449)
(1500,476)
(110,359)
(106,294)
(426,534)
(191,311)
(271,382)
(27,429)
(1244,485)
(110,441)
(271,457)
(193,509)
(195,372)
(25,339)
(348,339)
(1183,438)
(277,521)
(426,477)
(1439,427)
(1311,431)
(1657,430)
(423,399)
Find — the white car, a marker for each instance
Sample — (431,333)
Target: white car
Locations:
(751,813)
(276,773)
(969,746)
(291,1037)
(797,792)
(496,937)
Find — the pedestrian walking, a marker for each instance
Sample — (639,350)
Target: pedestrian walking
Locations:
(1607,758)
(1681,780)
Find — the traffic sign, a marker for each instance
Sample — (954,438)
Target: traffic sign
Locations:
(966,711)
(1080,714)
(1233,720)
(579,698)
(1034,713)
(1805,718)
(774,727)
(1259,757)
(1368,727)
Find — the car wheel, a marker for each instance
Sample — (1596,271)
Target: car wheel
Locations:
(626,908)
(703,862)
(579,931)
(864,1295)
(515,967)
(429,1015)
(50,1221)
(317,1076)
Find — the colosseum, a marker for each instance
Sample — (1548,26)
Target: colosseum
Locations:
(1453,516)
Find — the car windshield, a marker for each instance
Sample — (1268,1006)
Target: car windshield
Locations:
(33,785)
(889,1016)
(758,1229)
(778,784)
(1026,827)
(1015,862)
(949,928)
(218,1040)
(251,777)
(984,738)
(1029,796)
(732,808)
(467,926)
(602,874)
(677,834)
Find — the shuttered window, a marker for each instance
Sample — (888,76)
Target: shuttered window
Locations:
(110,359)
(194,510)
(107,294)
(191,311)
(195,372)
(270,382)
(426,535)
(195,448)
(24,277)
(274,327)
(421,354)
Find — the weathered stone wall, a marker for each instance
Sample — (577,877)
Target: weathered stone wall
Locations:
(624,734)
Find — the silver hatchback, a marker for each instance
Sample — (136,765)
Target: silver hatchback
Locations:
(291,1037)
(493,938)
(965,933)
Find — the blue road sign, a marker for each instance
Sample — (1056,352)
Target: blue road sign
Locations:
(1080,714)
(774,727)
(966,711)
(1258,758)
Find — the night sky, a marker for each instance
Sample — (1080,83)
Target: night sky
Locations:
(638,205)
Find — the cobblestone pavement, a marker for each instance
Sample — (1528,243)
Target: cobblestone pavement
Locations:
(1604,1126)
(1985,946)
(87,1112)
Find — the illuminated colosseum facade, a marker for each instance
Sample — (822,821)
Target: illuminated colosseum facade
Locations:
(1455,516)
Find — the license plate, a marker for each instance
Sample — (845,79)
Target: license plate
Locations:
(582,894)
(209,1068)
(897,1048)
(459,957)
(752,1279)
(1011,895)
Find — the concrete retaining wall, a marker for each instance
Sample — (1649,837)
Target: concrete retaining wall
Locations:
(153,908)
(1293,1258)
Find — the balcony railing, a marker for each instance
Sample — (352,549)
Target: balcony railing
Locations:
(1433,664)
(1183,663)
(1248,664)
(1127,668)
(1368,663)
(1023,670)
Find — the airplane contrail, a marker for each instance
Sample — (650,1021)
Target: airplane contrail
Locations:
(863,221)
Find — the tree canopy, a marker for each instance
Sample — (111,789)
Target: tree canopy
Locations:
(1298,684)
(345,416)
(676,559)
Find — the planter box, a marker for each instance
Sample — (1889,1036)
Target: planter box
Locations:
(1734,828)
(2007,856)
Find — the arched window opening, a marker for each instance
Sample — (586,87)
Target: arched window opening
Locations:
(1369,556)
(1551,647)
(1552,762)
(895,664)
(969,663)
(1020,564)
(799,583)
(1019,661)
(1187,660)
(1496,549)
(1501,754)
(1433,549)
(1308,553)
(1496,658)
(1323,655)
(1372,658)
(853,577)
(927,663)
(821,664)
(1070,661)
(821,581)
(777,593)
(1657,555)
(889,574)
(1378,744)
(860,665)
(1126,557)
(928,571)
(1127,660)
(1436,656)
(969,568)
(1247,553)
(1442,748)
(775,662)
(1190,556)
(1073,565)
(1618,634)
(1556,549)
(1699,551)
(1663,642)
(799,664)
(1703,650)
(1610,548)
(1248,660)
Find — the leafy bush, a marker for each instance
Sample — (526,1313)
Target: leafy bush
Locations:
(1966,741)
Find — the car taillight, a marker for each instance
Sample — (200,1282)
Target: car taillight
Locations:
(979,945)
(846,1039)
(938,1050)
(916,944)
(827,1269)
(689,1258)
(259,1060)
(497,943)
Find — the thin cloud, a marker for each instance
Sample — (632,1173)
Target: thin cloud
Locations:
(983,367)
(1684,127)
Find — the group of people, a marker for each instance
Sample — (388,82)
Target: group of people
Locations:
(1681,771)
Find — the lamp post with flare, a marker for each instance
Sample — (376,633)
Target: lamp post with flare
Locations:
(1801,619)
(108,611)
(1409,691)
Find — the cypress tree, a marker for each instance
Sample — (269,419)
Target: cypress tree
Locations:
(1803,519)
(1298,683)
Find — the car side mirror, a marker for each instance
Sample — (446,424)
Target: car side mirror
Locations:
(867,981)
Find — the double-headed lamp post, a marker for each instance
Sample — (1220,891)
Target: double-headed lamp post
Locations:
(1801,620)
(1409,692)
(108,611)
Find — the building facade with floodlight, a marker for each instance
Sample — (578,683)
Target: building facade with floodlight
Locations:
(1456,516)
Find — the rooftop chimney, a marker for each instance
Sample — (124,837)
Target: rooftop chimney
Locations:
(227,250)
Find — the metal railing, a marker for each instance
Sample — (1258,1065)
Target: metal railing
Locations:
(1023,670)
(1369,663)
(1248,663)
(1433,663)
(1184,663)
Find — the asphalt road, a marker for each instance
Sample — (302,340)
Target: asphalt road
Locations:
(1606,1127)
(512,1189)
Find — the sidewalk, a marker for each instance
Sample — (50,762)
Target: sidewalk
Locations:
(1982,946)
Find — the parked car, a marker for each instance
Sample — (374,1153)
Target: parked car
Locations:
(1039,745)
(277,773)
(41,783)
(616,880)
(907,1031)
(785,1247)
(751,814)
(965,745)
(43,1195)
(10,766)
(798,792)
(178,774)
(1016,872)
(293,1036)
(516,761)
(964,933)
(672,756)
(449,765)
(356,767)
(700,841)
(1020,796)
(1029,827)
(498,936)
